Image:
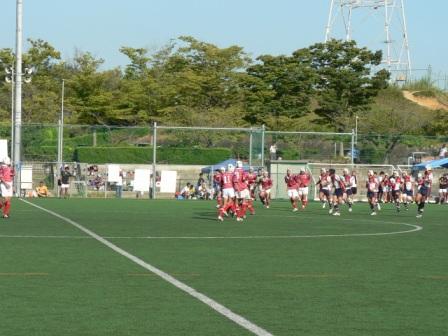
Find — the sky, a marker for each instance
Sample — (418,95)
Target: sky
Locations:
(260,26)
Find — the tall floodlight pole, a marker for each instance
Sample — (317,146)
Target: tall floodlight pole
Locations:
(61,134)
(18,99)
(61,128)
(350,20)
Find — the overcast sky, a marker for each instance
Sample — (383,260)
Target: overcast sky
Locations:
(260,26)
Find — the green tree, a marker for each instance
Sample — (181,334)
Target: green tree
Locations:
(281,86)
(346,81)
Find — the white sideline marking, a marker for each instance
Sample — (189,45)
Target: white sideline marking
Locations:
(414,229)
(165,276)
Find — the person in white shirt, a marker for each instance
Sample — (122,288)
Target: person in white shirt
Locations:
(273,152)
(443,151)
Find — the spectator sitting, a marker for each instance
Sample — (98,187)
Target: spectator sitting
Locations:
(42,190)
(186,191)
(192,192)
(203,192)
(98,182)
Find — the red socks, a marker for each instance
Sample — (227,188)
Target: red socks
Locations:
(7,207)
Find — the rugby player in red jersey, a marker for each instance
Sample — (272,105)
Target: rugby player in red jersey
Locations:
(293,186)
(372,191)
(303,180)
(6,178)
(241,190)
(228,193)
(252,182)
(217,180)
(265,189)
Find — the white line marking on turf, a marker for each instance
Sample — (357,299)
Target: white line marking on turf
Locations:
(165,276)
(413,226)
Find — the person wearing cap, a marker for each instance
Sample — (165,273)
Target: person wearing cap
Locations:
(65,181)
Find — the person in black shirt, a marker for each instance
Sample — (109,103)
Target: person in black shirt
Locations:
(443,189)
(65,181)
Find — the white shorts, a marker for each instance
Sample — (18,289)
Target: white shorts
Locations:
(303,191)
(443,191)
(293,193)
(6,188)
(228,193)
(65,186)
(267,191)
(243,194)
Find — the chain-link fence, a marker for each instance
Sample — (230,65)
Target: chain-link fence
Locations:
(188,150)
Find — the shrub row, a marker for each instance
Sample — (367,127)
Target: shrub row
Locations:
(143,155)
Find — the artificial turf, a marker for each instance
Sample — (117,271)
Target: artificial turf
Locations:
(303,273)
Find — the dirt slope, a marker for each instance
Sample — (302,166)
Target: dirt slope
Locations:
(431,103)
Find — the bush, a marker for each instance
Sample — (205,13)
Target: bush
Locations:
(143,155)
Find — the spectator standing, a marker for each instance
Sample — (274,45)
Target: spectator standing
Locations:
(119,185)
(443,151)
(65,181)
(273,151)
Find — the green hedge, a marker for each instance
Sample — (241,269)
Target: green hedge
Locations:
(143,155)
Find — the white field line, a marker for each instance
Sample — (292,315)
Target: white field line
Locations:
(226,312)
(413,226)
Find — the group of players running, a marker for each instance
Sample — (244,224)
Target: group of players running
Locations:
(400,189)
(236,190)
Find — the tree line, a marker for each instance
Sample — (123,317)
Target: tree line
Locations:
(193,83)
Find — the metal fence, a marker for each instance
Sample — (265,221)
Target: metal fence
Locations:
(187,149)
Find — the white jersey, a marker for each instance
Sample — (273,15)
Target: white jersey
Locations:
(338,181)
(353,181)
(372,184)
(325,181)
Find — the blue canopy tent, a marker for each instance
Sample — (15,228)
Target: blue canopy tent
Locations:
(440,163)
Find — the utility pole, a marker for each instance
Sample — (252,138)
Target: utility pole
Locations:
(61,135)
(18,99)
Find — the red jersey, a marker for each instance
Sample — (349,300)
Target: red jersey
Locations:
(239,179)
(291,182)
(266,183)
(217,177)
(6,174)
(227,180)
(304,180)
(251,179)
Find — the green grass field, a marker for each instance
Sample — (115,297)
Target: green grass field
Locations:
(303,273)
